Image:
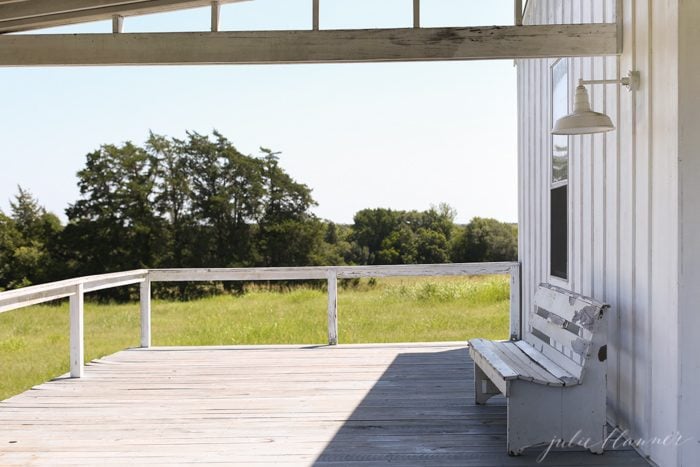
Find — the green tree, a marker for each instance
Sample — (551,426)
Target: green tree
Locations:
(226,194)
(114,225)
(26,238)
(433,230)
(293,242)
(27,214)
(432,247)
(485,239)
(284,198)
(336,248)
(173,200)
(405,237)
(371,227)
(288,233)
(331,236)
(399,247)
(439,219)
(194,202)
(10,240)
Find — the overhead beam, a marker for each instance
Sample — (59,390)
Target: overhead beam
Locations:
(37,14)
(325,46)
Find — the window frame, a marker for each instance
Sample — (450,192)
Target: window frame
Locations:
(552,185)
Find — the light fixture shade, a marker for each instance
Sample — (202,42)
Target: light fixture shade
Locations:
(583,121)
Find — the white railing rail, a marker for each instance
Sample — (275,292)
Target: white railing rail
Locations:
(75,289)
(35,294)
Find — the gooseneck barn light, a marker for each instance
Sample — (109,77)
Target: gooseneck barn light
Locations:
(583,120)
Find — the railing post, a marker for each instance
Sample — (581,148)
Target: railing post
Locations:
(77,345)
(215,15)
(332,308)
(315,15)
(145,298)
(515,303)
(117,24)
(416,13)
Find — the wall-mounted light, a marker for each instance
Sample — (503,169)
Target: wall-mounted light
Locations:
(583,120)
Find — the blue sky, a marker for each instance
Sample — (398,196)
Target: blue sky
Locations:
(403,136)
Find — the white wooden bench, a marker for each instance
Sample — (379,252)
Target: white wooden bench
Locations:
(555,378)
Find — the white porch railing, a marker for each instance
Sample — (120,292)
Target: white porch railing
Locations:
(75,289)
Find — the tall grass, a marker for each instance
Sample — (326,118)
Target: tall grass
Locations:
(34,342)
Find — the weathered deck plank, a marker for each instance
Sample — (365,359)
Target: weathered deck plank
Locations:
(347,405)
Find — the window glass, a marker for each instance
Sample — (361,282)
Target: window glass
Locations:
(560,107)
(559,232)
(559,193)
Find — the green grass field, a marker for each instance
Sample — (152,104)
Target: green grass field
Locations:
(34,341)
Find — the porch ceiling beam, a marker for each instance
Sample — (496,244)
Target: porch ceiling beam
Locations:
(325,46)
(37,14)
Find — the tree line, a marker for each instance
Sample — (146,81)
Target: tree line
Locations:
(199,202)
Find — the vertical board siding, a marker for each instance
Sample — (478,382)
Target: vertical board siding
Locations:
(611,232)
(663,223)
(597,207)
(641,210)
(625,246)
(688,173)
(622,226)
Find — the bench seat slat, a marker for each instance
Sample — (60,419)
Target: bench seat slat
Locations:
(555,355)
(548,364)
(509,362)
(529,366)
(497,372)
(488,350)
(523,373)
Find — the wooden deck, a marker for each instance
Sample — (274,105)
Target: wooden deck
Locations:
(399,404)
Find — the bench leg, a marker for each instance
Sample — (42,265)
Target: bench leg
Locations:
(584,416)
(534,415)
(554,416)
(484,389)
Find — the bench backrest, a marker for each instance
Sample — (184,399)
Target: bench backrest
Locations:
(567,328)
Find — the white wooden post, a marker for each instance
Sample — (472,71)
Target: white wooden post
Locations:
(117,24)
(215,15)
(620,25)
(77,346)
(316,21)
(515,304)
(145,296)
(518,13)
(416,13)
(332,308)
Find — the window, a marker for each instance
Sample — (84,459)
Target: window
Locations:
(559,186)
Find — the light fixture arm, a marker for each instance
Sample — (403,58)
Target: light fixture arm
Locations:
(583,120)
(631,81)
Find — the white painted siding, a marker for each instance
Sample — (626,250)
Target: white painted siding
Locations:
(623,204)
(689,213)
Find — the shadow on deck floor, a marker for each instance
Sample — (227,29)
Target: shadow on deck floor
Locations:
(422,411)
